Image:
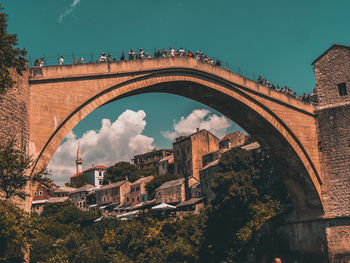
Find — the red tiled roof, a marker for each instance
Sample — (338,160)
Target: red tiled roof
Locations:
(77,174)
(228,136)
(96,167)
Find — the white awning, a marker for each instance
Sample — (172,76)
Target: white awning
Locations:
(163,206)
(103,207)
(128,214)
(94,205)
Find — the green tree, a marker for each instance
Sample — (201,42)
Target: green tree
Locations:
(122,170)
(15,165)
(17,228)
(10,55)
(248,192)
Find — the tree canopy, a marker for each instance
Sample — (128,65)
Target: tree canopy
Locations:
(10,55)
(122,170)
(15,165)
(248,192)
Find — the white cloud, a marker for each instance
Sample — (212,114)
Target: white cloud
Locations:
(202,119)
(68,10)
(117,141)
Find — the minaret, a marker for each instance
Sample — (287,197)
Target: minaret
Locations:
(79,161)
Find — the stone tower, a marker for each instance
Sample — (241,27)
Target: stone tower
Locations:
(332,73)
(79,161)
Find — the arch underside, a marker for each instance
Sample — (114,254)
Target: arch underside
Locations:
(278,141)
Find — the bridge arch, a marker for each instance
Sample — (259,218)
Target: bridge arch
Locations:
(263,113)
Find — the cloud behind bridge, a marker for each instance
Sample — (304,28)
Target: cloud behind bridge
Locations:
(117,141)
(202,119)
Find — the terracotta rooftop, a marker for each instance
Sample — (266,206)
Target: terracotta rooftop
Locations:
(143,179)
(190,202)
(77,174)
(183,137)
(100,167)
(58,199)
(84,188)
(228,136)
(112,185)
(65,189)
(166,158)
(172,183)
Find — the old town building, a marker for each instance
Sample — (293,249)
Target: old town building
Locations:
(112,193)
(78,197)
(232,140)
(228,142)
(138,193)
(188,152)
(174,191)
(151,158)
(166,165)
(93,175)
(41,196)
(64,191)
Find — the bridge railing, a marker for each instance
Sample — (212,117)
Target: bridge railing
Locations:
(94,57)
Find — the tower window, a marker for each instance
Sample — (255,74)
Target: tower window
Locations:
(342,89)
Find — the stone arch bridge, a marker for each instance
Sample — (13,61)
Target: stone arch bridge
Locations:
(61,96)
(287,128)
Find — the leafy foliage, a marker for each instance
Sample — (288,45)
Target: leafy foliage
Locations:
(123,170)
(248,193)
(17,228)
(10,56)
(14,170)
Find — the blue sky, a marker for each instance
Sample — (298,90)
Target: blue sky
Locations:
(277,39)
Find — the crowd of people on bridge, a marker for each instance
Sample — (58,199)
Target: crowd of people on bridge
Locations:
(286,90)
(171,52)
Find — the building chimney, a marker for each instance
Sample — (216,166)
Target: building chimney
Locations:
(197,129)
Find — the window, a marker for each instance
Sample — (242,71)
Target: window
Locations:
(127,199)
(100,174)
(342,89)
(100,182)
(40,193)
(133,199)
(138,199)
(36,193)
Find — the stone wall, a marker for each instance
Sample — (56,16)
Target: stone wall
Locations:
(14,121)
(333,128)
(332,68)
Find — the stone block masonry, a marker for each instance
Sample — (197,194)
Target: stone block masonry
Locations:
(14,104)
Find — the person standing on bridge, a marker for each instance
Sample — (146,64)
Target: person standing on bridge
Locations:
(122,57)
(61,61)
(142,54)
(171,52)
(277,260)
(103,57)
